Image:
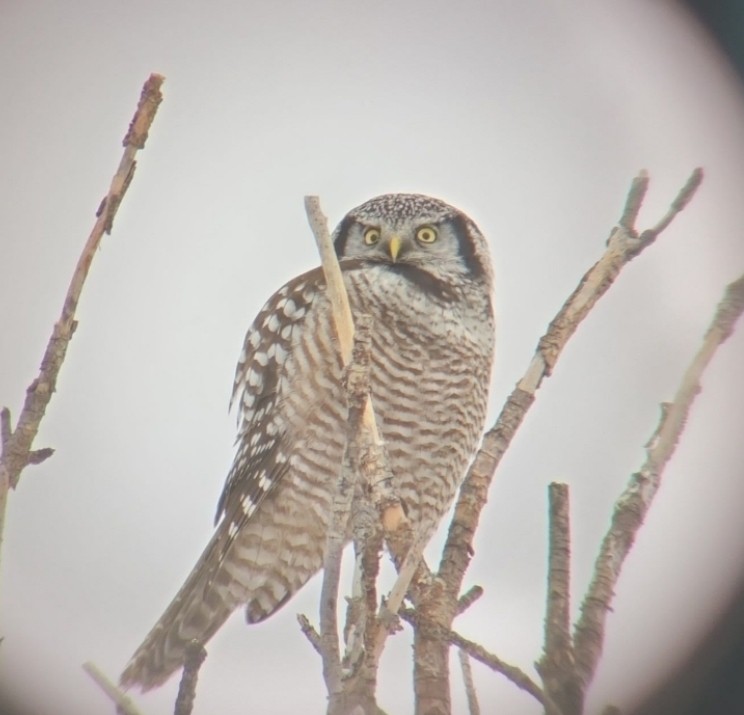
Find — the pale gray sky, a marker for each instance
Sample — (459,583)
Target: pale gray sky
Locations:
(531,116)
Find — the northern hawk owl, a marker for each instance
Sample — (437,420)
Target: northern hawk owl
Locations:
(421,269)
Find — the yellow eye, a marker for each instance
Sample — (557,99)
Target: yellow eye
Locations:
(426,234)
(371,236)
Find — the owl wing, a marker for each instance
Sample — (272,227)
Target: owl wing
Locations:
(259,387)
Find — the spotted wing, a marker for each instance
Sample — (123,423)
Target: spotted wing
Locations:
(261,458)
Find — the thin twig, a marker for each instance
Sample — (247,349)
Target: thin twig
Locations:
(360,626)
(468,598)
(16,451)
(683,198)
(634,201)
(310,633)
(391,605)
(124,704)
(193,659)
(335,289)
(633,504)
(467,679)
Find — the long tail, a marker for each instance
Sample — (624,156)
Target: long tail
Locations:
(201,606)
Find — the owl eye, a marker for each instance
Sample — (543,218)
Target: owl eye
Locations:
(426,234)
(371,236)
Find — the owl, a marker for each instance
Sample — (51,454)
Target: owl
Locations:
(421,269)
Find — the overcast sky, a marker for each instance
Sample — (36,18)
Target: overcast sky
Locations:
(531,116)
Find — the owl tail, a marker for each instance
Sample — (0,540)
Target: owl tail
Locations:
(202,605)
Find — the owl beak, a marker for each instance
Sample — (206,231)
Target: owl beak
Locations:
(394,247)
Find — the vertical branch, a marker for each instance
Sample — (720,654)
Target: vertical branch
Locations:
(467,677)
(357,384)
(556,667)
(17,444)
(195,655)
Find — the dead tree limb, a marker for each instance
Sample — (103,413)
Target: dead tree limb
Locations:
(633,504)
(195,656)
(17,444)
(625,243)
(124,704)
(477,652)
(467,679)
(556,666)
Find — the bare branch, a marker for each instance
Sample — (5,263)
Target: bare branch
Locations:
(393,602)
(556,667)
(360,629)
(124,704)
(336,291)
(479,653)
(16,444)
(310,633)
(468,598)
(622,247)
(557,616)
(634,201)
(633,504)
(440,604)
(467,678)
(683,198)
(357,387)
(194,657)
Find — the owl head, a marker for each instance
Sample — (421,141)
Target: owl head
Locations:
(415,232)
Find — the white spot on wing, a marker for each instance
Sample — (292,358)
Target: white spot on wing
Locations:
(264,482)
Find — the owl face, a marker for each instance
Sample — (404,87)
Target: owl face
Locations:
(411,230)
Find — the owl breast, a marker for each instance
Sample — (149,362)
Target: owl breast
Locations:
(431,363)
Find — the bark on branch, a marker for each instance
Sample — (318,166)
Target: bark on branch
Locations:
(557,665)
(17,444)
(633,504)
(124,704)
(476,652)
